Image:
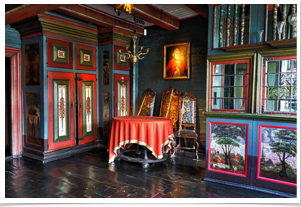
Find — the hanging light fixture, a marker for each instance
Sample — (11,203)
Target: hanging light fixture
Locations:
(135,55)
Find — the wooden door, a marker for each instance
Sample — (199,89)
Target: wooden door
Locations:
(87,108)
(60,110)
(122,95)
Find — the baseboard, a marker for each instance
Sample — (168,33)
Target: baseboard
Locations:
(286,195)
(58,154)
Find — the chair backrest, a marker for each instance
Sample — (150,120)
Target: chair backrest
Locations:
(147,103)
(187,110)
(169,104)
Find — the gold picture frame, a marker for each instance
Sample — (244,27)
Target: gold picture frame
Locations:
(177,61)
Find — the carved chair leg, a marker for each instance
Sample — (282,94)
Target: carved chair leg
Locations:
(196,144)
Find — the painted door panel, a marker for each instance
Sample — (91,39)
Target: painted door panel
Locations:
(87,108)
(122,95)
(60,109)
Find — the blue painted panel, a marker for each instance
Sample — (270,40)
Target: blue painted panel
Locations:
(12,37)
(123,72)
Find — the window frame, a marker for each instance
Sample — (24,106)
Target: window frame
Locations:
(263,88)
(248,61)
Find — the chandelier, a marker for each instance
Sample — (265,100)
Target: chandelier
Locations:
(135,55)
(126,7)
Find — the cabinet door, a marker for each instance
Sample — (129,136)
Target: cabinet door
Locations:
(87,108)
(60,110)
(122,95)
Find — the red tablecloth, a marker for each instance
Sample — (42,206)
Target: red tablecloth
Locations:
(151,132)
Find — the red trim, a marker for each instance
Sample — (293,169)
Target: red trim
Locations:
(25,37)
(116,67)
(50,62)
(77,62)
(118,77)
(86,77)
(62,76)
(16,101)
(246,89)
(246,152)
(259,153)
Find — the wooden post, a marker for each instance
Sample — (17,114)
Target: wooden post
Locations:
(228,26)
(283,18)
(293,27)
(242,24)
(235,24)
(274,22)
(221,25)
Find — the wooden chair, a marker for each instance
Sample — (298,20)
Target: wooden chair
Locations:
(187,118)
(169,105)
(147,103)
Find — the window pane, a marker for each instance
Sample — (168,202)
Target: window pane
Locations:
(217,92)
(294,93)
(272,79)
(272,92)
(218,103)
(217,81)
(285,66)
(240,104)
(284,106)
(286,79)
(241,80)
(294,106)
(229,92)
(293,65)
(271,105)
(294,79)
(229,69)
(284,92)
(229,81)
(273,67)
(241,68)
(228,104)
(239,92)
(218,70)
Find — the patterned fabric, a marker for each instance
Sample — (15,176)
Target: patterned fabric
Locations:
(187,111)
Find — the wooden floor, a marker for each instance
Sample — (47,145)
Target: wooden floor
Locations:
(89,175)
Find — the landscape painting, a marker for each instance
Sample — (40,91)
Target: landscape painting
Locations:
(228,148)
(278,154)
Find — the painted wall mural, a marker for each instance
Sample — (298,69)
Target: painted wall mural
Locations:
(106,68)
(277,155)
(228,148)
(106,114)
(33,118)
(32,64)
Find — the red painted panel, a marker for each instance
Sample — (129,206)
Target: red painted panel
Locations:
(118,77)
(60,76)
(86,77)
(116,67)
(77,62)
(50,62)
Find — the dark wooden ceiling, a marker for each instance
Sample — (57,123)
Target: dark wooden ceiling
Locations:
(166,16)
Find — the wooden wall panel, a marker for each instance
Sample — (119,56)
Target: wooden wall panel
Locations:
(195,31)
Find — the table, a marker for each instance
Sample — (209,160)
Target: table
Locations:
(154,133)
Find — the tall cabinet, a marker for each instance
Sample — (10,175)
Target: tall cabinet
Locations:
(251,139)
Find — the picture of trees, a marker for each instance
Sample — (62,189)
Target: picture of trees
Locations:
(278,154)
(228,147)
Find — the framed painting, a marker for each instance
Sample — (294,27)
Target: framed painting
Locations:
(106,68)
(277,154)
(228,144)
(177,61)
(106,114)
(32,64)
(120,61)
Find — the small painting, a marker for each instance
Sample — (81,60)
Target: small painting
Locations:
(106,114)
(228,148)
(122,58)
(32,64)
(106,67)
(121,62)
(61,54)
(176,61)
(33,118)
(86,58)
(277,155)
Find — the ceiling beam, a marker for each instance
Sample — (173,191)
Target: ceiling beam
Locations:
(199,8)
(98,17)
(26,11)
(155,16)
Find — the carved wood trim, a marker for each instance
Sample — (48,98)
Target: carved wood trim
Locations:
(148,96)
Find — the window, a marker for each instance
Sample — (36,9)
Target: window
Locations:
(230,86)
(279,85)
